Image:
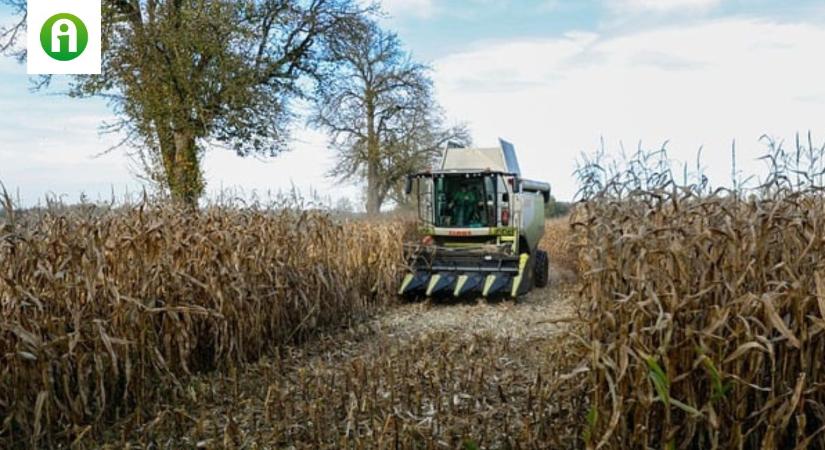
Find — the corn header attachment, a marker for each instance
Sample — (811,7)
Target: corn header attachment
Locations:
(439,271)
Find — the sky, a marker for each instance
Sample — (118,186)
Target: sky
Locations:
(554,77)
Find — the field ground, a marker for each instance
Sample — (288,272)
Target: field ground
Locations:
(421,375)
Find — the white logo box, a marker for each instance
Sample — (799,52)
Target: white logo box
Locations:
(39,11)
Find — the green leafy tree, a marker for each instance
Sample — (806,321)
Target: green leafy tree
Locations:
(184,75)
(379,108)
(555,208)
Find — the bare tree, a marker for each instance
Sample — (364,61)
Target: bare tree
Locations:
(378,106)
(11,33)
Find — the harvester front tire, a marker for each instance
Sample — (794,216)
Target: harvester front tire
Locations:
(542,269)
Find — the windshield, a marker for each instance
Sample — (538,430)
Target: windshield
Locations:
(464,201)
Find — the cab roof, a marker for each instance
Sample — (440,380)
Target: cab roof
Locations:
(497,159)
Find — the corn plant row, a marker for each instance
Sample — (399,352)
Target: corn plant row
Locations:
(102,312)
(706,307)
(558,243)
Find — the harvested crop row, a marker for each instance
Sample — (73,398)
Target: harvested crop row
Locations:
(104,312)
(364,389)
(707,313)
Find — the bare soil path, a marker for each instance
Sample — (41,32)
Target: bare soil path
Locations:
(421,375)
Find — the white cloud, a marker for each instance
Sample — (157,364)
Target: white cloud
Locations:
(662,5)
(400,8)
(304,168)
(700,84)
(549,5)
(693,84)
(48,143)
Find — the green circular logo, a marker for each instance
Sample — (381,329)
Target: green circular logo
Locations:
(64,37)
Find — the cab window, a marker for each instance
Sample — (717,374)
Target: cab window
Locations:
(463,201)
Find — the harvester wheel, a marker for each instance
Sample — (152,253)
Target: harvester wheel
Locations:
(542,269)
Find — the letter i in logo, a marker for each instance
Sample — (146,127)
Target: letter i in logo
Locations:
(64,37)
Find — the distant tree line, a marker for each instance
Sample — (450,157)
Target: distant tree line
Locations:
(555,208)
(186,76)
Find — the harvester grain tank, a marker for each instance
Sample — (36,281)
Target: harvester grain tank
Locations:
(482,223)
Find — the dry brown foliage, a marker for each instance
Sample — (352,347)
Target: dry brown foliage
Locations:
(558,243)
(707,312)
(443,376)
(105,312)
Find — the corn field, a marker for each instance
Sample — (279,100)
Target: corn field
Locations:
(700,324)
(559,245)
(106,311)
(706,307)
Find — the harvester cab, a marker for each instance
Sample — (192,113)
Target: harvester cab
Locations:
(482,223)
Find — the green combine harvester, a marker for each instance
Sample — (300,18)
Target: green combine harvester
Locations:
(482,223)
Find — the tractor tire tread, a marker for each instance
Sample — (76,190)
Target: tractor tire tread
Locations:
(542,269)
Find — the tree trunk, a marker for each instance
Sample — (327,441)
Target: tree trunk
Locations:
(188,184)
(373,197)
(181,167)
(166,141)
(373,160)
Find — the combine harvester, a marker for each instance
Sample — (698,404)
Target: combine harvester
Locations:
(482,224)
